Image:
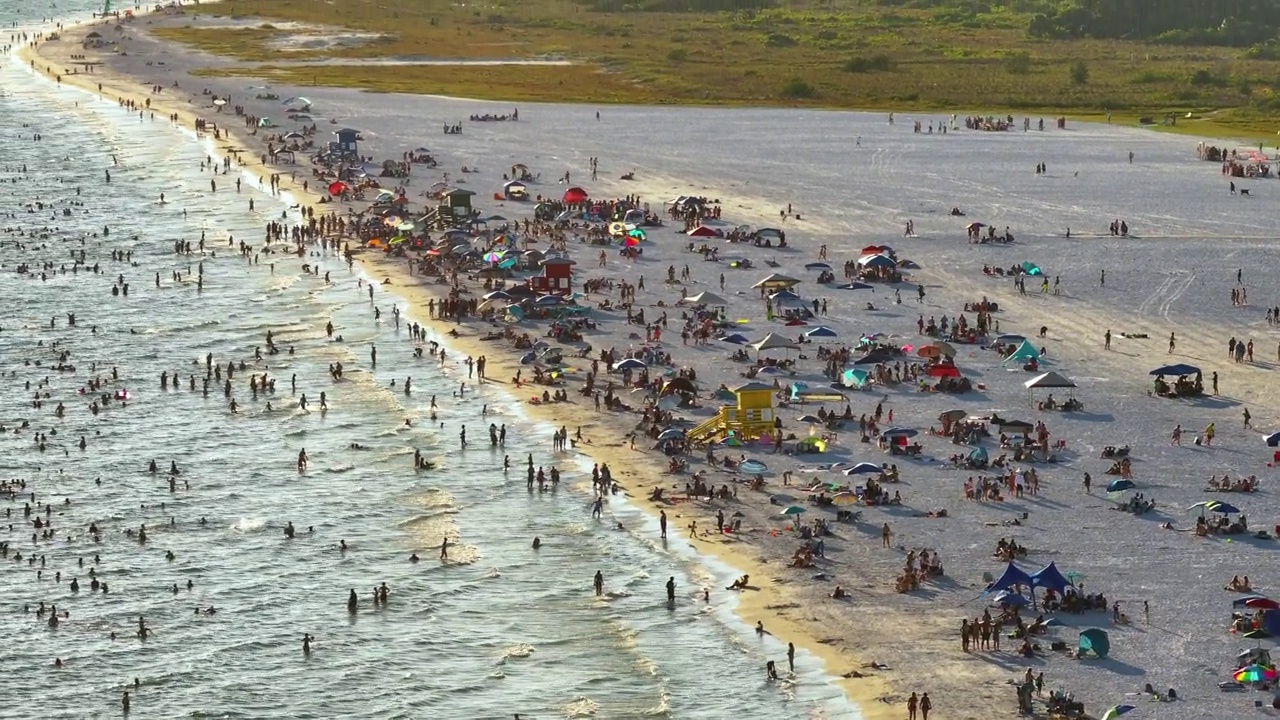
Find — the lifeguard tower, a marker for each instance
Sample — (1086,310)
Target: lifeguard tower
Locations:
(455,207)
(348,144)
(556,277)
(750,418)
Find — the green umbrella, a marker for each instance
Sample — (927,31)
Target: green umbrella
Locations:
(793,510)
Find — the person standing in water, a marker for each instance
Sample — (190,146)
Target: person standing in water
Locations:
(444,548)
(598,582)
(671,590)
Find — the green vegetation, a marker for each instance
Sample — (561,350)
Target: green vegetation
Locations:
(1217,59)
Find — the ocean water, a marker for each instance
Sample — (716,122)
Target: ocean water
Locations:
(500,629)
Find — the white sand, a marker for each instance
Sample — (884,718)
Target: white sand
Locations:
(1175,277)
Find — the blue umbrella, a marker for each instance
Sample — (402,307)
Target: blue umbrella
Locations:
(498,295)
(863,468)
(1120,485)
(630,364)
(770,370)
(821,331)
(900,432)
(735,338)
(1224,508)
(549,300)
(1273,439)
(753,467)
(817,266)
(879,261)
(671,434)
(784,295)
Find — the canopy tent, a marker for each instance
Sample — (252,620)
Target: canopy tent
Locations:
(1031,268)
(774,341)
(877,261)
(854,378)
(705,297)
(1048,380)
(1120,485)
(1012,576)
(1025,351)
(1050,578)
(1005,597)
(1094,641)
(1176,369)
(777,280)
(702,231)
(821,331)
(785,296)
(1273,439)
(979,455)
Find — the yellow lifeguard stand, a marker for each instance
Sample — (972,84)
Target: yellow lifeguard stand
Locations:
(750,418)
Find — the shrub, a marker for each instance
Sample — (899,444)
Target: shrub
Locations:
(862,64)
(798,89)
(678,55)
(1079,73)
(1018,63)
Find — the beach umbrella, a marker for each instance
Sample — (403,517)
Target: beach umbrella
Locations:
(1007,339)
(1120,485)
(1250,674)
(636,233)
(974,226)
(406,226)
(945,348)
(817,266)
(900,432)
(951,416)
(771,370)
(793,510)
(855,286)
(630,241)
(337,188)
(844,498)
(1239,602)
(811,419)
(493,256)
(1224,508)
(672,434)
(670,402)
(1273,439)
(508,262)
(821,331)
(863,468)
(929,351)
(549,300)
(795,323)
(735,339)
(731,441)
(1261,603)
(1177,369)
(784,296)
(753,467)
(1115,711)
(630,364)
(497,295)
(219,102)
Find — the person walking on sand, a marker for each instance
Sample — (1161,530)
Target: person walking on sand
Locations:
(1175,438)
(1106,340)
(925,706)
(885,534)
(1247,419)
(1208,435)
(912,703)
(1173,342)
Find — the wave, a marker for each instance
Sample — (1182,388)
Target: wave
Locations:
(581,707)
(521,650)
(248,525)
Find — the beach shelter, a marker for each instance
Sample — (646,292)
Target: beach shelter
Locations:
(1048,380)
(979,456)
(1273,439)
(1120,485)
(854,378)
(1005,597)
(785,296)
(774,341)
(630,364)
(777,280)
(1031,268)
(817,266)
(702,231)
(1012,576)
(1049,577)
(734,339)
(1270,622)
(821,331)
(863,468)
(1175,369)
(575,195)
(1025,351)
(1094,641)
(877,261)
(855,286)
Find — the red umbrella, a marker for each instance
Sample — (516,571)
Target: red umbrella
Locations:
(337,188)
(575,195)
(1261,603)
(702,231)
(871,250)
(794,323)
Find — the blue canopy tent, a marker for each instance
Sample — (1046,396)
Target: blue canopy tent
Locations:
(1011,577)
(1273,439)
(1176,369)
(1094,641)
(1049,577)
(1271,622)
(1005,597)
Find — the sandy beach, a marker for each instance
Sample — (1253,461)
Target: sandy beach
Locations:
(1175,275)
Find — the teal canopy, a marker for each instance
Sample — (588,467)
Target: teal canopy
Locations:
(854,378)
(1026,351)
(1031,268)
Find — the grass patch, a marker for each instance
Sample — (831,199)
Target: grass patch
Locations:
(833,53)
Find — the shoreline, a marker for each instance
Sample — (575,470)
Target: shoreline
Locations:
(865,691)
